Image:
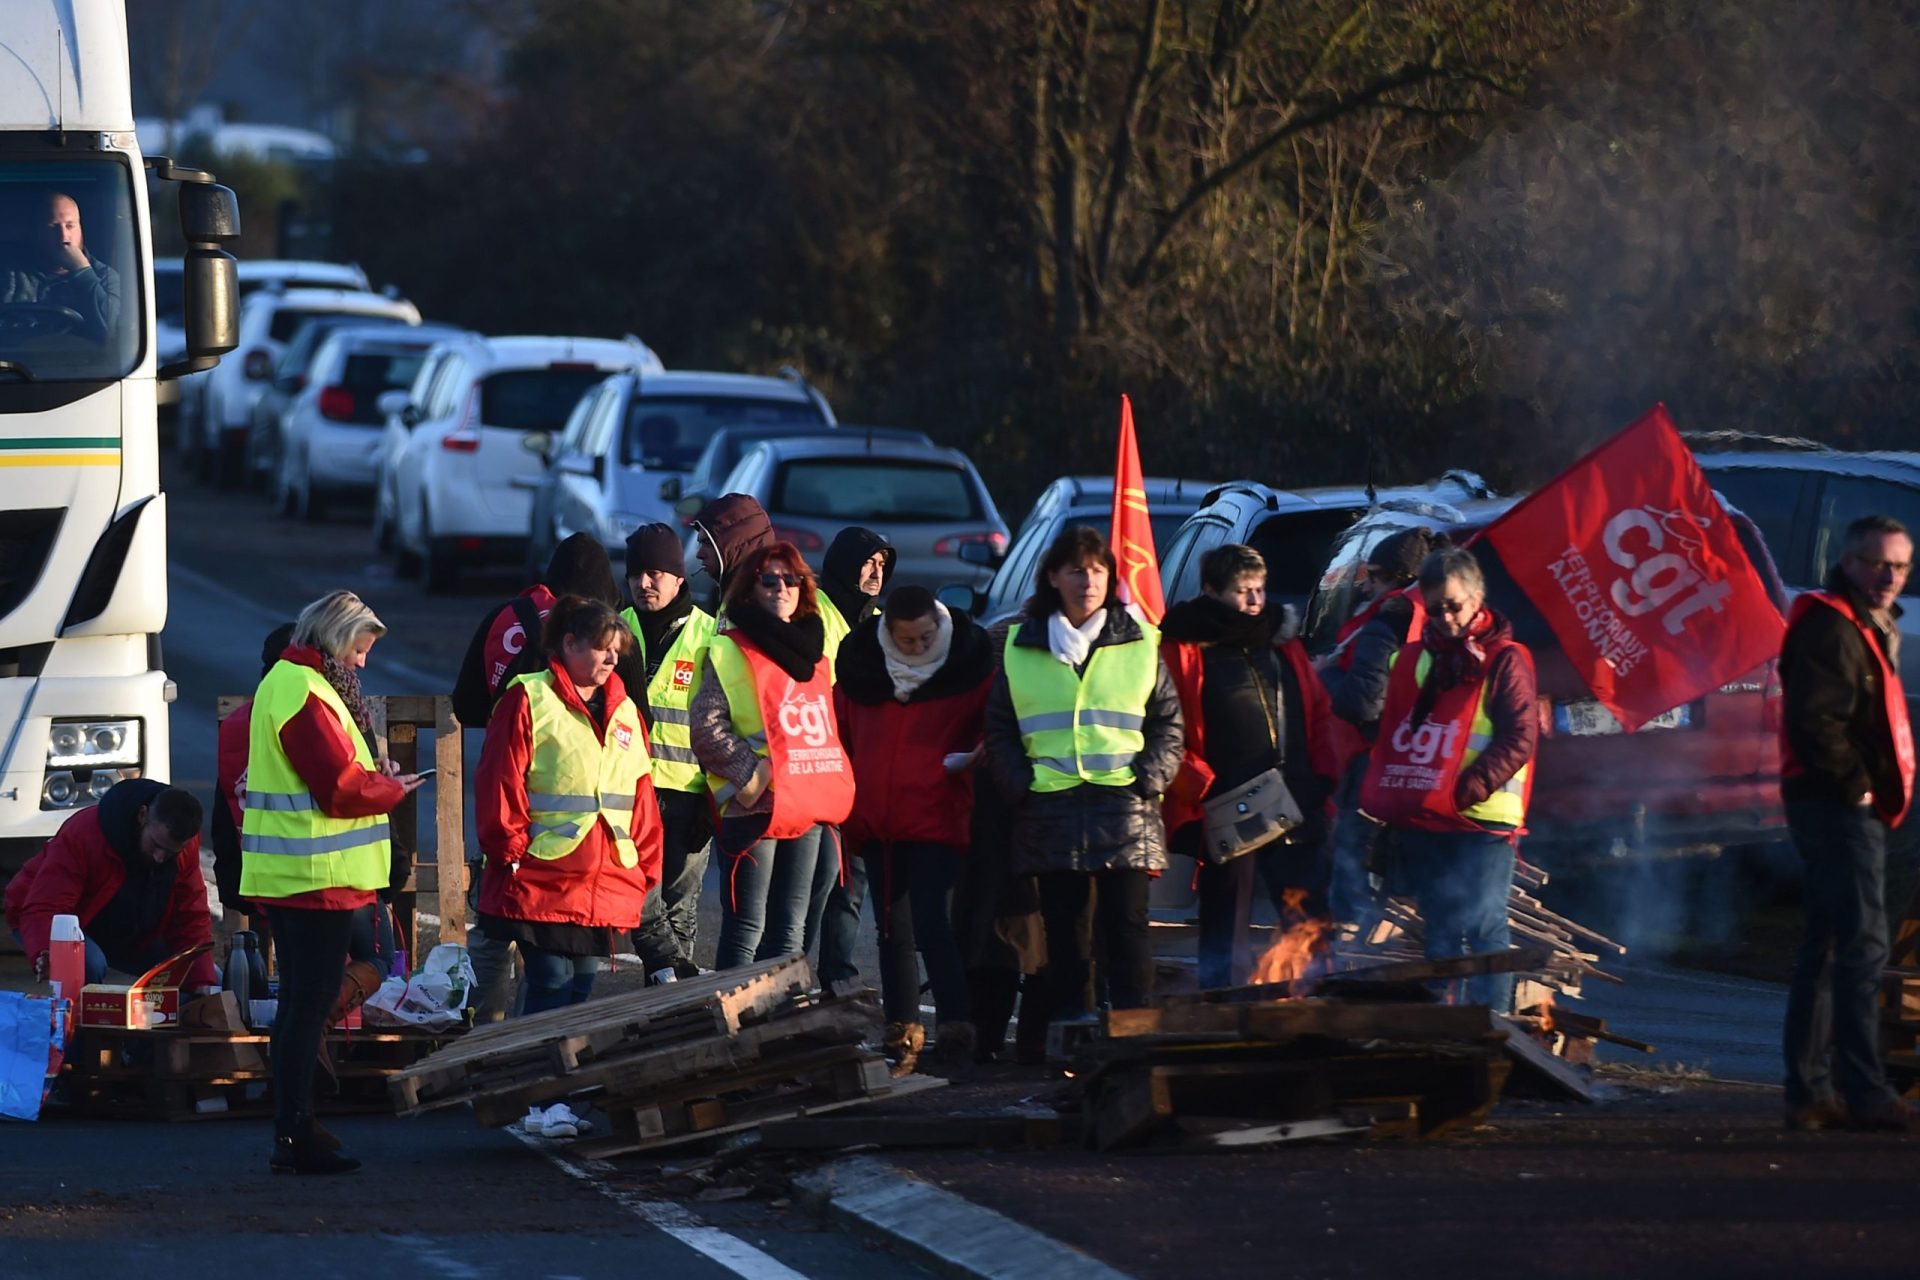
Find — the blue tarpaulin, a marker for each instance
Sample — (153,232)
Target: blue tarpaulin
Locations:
(29,1036)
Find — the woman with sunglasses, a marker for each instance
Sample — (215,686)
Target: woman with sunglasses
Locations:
(764,731)
(1452,767)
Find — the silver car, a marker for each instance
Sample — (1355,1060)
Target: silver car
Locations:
(929,502)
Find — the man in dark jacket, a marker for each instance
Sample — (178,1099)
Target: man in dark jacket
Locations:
(1847,778)
(852,576)
(65,274)
(129,868)
(725,531)
(1355,675)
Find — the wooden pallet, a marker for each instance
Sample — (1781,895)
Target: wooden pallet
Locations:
(560,1041)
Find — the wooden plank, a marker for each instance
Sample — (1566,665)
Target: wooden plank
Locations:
(403,748)
(1518,960)
(1538,1072)
(450,836)
(1287,1019)
(1245,1137)
(1031,1128)
(414,709)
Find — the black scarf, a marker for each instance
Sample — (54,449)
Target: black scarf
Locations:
(1457,660)
(795,647)
(657,625)
(1206,621)
(131,915)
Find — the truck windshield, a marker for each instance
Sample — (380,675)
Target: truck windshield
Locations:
(70,307)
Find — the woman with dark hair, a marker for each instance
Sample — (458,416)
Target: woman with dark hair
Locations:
(1084,737)
(568,821)
(314,844)
(1251,705)
(764,730)
(1452,767)
(911,700)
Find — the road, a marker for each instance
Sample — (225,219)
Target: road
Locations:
(440,1195)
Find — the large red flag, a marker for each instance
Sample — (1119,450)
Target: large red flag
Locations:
(1634,564)
(1132,540)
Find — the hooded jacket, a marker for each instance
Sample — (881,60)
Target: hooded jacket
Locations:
(733,524)
(840,572)
(1087,828)
(902,790)
(82,870)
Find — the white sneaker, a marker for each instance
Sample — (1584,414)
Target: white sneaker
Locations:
(660,977)
(561,1122)
(534,1121)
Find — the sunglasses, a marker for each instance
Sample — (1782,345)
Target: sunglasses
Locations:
(775,581)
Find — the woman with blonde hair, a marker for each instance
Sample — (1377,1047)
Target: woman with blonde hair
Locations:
(314,844)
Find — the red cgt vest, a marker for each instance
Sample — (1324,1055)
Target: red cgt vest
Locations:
(1348,742)
(812,780)
(1893,707)
(1412,771)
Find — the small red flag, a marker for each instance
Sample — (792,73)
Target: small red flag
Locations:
(1635,566)
(1132,539)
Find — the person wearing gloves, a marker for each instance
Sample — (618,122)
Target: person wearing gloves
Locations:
(1084,737)
(129,868)
(1251,705)
(855,571)
(764,730)
(1354,675)
(911,699)
(314,845)
(1452,768)
(565,805)
(671,635)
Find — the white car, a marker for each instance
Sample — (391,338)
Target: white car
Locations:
(255,274)
(604,474)
(268,320)
(464,442)
(331,430)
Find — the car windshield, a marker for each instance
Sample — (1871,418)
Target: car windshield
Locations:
(1165,525)
(668,433)
(307,339)
(70,304)
(371,373)
(857,489)
(535,399)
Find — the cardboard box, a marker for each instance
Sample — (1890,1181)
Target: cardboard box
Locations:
(152,1001)
(221,1013)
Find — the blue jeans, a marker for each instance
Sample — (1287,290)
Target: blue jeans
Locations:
(1462,880)
(671,917)
(836,909)
(555,981)
(1353,900)
(765,889)
(1832,1034)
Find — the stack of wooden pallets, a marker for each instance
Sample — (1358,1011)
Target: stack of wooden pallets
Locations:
(666,1064)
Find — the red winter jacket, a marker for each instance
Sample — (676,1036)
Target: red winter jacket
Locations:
(1184,798)
(588,886)
(78,873)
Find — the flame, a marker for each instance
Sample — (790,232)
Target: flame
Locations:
(1301,949)
(1545,1010)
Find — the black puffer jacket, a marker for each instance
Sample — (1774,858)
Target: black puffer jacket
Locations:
(1087,828)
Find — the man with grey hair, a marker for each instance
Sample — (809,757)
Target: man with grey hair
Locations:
(66,275)
(1846,775)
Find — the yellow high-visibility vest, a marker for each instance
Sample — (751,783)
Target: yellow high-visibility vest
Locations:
(1083,728)
(287,845)
(1508,804)
(670,699)
(574,778)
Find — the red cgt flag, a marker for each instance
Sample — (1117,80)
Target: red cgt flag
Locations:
(1132,541)
(1632,561)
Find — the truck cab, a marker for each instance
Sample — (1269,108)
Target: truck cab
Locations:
(83,568)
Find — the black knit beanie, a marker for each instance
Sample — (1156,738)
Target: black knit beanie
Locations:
(1402,554)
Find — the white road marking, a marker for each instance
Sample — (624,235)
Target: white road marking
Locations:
(433,1257)
(729,1250)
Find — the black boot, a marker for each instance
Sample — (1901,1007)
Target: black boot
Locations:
(303,1151)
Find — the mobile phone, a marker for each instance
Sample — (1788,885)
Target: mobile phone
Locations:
(427,773)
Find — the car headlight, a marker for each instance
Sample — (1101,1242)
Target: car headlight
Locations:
(94,744)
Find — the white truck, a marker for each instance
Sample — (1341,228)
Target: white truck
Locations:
(83,523)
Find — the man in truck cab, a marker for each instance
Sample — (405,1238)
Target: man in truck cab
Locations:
(64,274)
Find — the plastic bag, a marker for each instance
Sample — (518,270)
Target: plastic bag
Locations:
(32,1043)
(435,998)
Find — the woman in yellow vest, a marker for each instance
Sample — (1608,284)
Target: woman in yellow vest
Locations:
(564,802)
(1084,736)
(1452,766)
(764,729)
(314,847)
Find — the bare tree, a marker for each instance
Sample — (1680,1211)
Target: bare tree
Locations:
(179,46)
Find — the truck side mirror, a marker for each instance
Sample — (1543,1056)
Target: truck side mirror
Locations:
(959,597)
(210,278)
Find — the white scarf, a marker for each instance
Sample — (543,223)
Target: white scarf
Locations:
(910,671)
(1071,644)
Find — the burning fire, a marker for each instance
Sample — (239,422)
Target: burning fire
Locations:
(1301,950)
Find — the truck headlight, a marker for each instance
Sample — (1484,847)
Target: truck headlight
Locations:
(94,744)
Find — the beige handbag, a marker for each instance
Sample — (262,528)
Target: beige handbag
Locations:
(1255,813)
